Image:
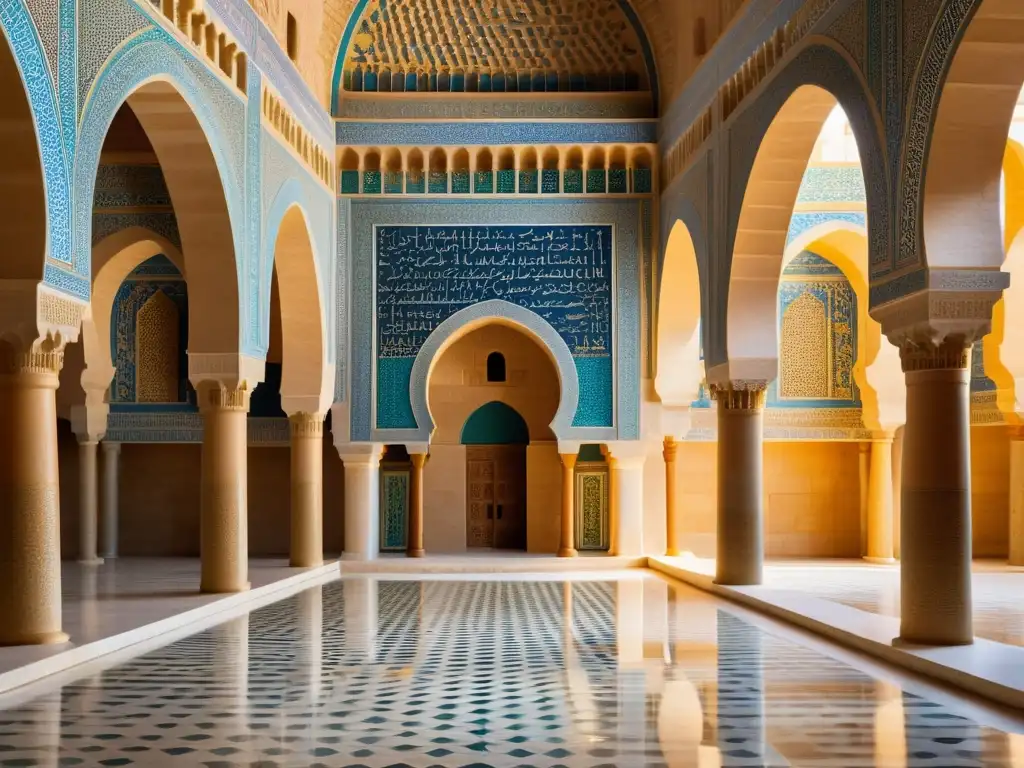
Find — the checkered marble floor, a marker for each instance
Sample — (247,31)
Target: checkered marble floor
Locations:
(578,673)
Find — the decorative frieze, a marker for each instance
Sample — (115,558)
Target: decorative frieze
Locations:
(223,398)
(291,130)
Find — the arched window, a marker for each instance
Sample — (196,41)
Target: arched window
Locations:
(495,367)
(292,37)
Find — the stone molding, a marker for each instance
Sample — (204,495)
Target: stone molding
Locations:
(230,370)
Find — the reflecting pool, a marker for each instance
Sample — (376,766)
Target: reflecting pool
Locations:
(628,671)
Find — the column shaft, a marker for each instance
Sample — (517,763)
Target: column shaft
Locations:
(415,546)
(935,573)
(362,500)
(88,498)
(897,490)
(307,458)
(1017,496)
(673,525)
(109,498)
(30,598)
(567,545)
(629,491)
(879,522)
(224,545)
(740,545)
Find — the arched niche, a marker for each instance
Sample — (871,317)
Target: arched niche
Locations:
(679,367)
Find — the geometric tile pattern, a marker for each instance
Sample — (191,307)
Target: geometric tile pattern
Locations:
(464,673)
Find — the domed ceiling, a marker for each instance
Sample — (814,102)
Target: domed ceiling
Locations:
(495,45)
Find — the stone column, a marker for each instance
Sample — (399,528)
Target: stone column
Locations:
(740,483)
(935,573)
(224,544)
(879,514)
(864,475)
(362,499)
(88,498)
(415,547)
(1016,495)
(307,479)
(109,499)
(628,470)
(30,598)
(567,545)
(897,490)
(673,525)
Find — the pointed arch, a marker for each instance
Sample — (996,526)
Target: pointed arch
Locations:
(188,138)
(772,153)
(307,378)
(678,367)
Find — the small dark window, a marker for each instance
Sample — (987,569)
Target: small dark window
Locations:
(293,38)
(495,367)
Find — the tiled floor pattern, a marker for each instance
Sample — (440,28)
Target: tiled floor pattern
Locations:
(478,673)
(997,590)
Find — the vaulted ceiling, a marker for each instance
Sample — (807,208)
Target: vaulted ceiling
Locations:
(672,28)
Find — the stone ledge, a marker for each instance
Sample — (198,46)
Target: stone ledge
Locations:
(989,669)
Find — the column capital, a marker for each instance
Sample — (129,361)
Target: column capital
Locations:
(953,303)
(883,435)
(670,448)
(305,424)
(418,459)
(110,447)
(227,370)
(360,454)
(215,396)
(949,354)
(89,421)
(36,322)
(740,395)
(568,459)
(631,452)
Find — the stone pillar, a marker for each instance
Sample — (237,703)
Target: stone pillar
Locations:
(224,544)
(1016,495)
(307,479)
(88,498)
(30,598)
(415,547)
(362,499)
(109,499)
(864,474)
(567,544)
(613,504)
(879,514)
(673,525)
(935,573)
(740,469)
(897,490)
(628,470)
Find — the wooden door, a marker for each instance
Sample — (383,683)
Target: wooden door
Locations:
(496,496)
(480,461)
(510,497)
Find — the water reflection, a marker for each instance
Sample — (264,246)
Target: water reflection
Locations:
(628,672)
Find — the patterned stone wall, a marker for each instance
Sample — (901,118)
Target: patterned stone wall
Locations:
(817,337)
(149,336)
